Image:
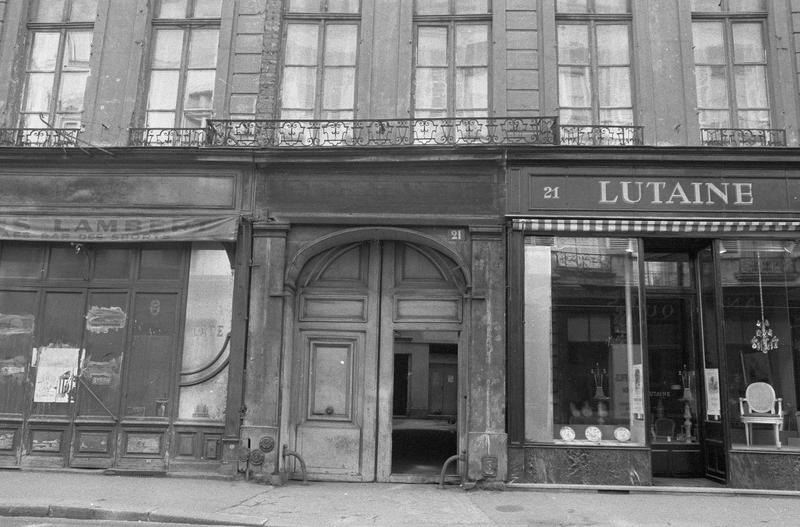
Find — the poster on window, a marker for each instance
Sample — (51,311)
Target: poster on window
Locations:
(55,374)
(637,400)
(712,393)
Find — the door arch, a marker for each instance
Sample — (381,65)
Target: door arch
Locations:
(352,300)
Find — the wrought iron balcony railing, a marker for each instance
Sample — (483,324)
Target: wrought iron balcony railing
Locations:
(382,132)
(601,135)
(743,137)
(167,137)
(39,137)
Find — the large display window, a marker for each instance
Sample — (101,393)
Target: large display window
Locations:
(584,378)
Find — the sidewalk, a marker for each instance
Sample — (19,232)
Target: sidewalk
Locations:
(221,502)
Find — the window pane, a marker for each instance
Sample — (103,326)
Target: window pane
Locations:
(747,5)
(432,46)
(172,9)
(66,263)
(160,120)
(751,87)
(614,87)
(433,7)
(305,6)
(111,263)
(714,119)
(343,6)
(33,121)
(706,5)
(301,44)
(339,88)
(70,96)
(168,46)
(68,120)
(573,44)
(472,45)
(574,116)
(195,119)
(472,7)
(39,92)
(340,45)
(337,115)
(299,86)
(573,87)
(160,263)
(748,45)
(431,88)
(203,48)
(207,8)
(49,11)
(612,45)
(611,6)
(572,6)
(199,90)
(83,11)
(712,86)
(472,88)
(616,117)
(77,50)
(163,94)
(708,44)
(288,115)
(44,52)
(20,260)
(753,119)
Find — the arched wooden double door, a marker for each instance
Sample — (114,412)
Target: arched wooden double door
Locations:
(353,301)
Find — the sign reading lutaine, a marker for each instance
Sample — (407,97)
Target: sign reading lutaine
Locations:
(662,194)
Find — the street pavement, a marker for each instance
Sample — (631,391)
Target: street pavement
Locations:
(110,499)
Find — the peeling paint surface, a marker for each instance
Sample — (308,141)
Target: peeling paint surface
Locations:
(105,319)
(16,324)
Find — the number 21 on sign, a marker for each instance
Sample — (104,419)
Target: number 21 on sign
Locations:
(551,192)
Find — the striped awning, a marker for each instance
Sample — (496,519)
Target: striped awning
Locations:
(655,226)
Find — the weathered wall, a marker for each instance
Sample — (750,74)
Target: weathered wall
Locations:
(521,68)
(580,466)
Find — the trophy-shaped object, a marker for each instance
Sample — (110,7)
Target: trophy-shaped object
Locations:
(598,375)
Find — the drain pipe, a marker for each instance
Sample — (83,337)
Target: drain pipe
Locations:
(456,457)
(292,453)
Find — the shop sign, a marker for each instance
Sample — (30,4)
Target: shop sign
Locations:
(712,393)
(55,375)
(664,194)
(118,228)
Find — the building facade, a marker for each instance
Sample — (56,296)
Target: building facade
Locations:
(547,241)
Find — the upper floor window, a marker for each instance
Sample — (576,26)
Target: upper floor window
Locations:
(451,74)
(183,64)
(58,64)
(730,59)
(594,62)
(320,55)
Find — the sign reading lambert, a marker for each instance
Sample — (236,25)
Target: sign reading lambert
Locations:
(118,229)
(664,194)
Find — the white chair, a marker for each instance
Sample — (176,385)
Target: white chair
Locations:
(760,406)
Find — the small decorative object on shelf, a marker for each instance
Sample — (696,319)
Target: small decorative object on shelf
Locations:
(567,433)
(593,434)
(622,434)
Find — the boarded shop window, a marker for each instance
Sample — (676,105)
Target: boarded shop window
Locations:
(183,63)
(582,341)
(206,341)
(761,308)
(594,62)
(60,40)
(730,57)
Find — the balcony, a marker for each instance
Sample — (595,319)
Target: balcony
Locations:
(742,137)
(182,137)
(601,135)
(383,132)
(39,137)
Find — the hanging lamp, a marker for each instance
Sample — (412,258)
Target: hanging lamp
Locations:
(764,339)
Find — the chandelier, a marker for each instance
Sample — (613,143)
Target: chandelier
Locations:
(764,340)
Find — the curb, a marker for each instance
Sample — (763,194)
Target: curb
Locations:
(97,513)
(635,489)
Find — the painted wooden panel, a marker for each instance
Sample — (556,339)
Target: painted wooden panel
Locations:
(49,441)
(8,440)
(93,442)
(320,308)
(330,381)
(427,309)
(332,450)
(17,322)
(143,443)
(418,268)
(186,443)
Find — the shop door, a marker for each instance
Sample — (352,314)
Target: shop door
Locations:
(352,302)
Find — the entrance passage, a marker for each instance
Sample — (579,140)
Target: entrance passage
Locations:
(682,439)
(375,377)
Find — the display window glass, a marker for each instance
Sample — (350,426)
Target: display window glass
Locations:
(584,377)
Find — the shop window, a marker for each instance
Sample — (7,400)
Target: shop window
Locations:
(594,62)
(20,260)
(584,380)
(730,57)
(206,341)
(183,63)
(761,308)
(451,73)
(60,37)
(160,264)
(320,56)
